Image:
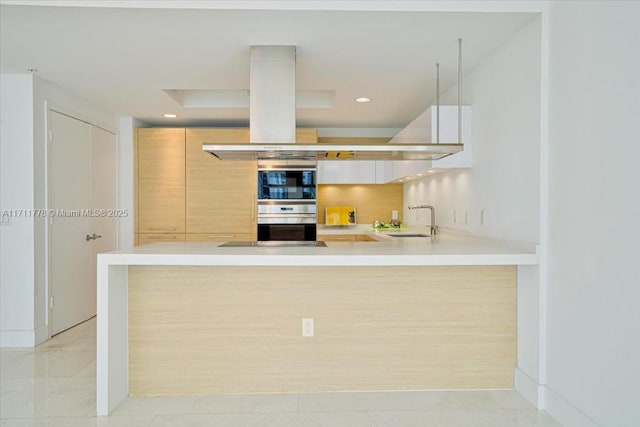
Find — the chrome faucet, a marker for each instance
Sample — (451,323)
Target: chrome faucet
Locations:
(433,228)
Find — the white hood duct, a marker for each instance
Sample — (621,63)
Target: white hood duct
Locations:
(272,95)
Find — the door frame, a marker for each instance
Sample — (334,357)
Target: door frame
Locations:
(48,107)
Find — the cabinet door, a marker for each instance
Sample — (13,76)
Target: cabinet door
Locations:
(221,195)
(161,180)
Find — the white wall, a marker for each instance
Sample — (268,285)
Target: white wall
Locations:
(16,192)
(25,100)
(593,314)
(504,92)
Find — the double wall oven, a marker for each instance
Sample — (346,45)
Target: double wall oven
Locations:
(287,208)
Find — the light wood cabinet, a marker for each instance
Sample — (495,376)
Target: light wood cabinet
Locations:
(160,176)
(220,195)
(144,238)
(181,189)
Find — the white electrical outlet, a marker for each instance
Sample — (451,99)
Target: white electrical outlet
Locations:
(307,327)
(455,217)
(394,214)
(482,216)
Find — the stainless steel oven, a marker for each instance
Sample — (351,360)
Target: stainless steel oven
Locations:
(287,209)
(287,222)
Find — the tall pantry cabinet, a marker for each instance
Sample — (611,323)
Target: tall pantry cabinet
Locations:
(160,189)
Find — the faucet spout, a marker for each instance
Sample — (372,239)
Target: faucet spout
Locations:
(433,228)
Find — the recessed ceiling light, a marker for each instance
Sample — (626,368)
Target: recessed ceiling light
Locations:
(363,99)
(169,116)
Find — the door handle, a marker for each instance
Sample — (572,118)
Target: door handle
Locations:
(93,236)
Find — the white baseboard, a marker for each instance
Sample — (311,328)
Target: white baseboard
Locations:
(564,412)
(545,399)
(15,339)
(527,387)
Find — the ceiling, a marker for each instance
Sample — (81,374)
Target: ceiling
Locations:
(123,59)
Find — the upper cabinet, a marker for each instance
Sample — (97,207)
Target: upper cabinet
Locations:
(160,178)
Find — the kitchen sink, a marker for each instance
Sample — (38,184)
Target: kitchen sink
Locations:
(408,235)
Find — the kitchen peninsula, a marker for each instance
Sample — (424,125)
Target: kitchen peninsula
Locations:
(398,313)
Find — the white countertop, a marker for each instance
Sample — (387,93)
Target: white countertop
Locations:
(443,249)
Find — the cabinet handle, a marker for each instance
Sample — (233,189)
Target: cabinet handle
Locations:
(162,229)
(221,235)
(161,237)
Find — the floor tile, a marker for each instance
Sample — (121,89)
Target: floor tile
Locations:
(53,385)
(369,401)
(334,419)
(251,403)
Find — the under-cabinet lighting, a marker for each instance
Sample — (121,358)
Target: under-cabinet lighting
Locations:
(169,116)
(363,99)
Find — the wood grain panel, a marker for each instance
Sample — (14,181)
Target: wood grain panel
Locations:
(221,195)
(203,330)
(372,201)
(306,136)
(161,180)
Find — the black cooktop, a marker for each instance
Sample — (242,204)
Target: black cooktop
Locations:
(273,243)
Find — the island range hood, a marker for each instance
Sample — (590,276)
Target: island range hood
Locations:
(331,151)
(272,121)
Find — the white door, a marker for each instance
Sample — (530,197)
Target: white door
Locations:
(104,198)
(72,275)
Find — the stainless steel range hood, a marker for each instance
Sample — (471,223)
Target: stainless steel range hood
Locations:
(331,151)
(272,121)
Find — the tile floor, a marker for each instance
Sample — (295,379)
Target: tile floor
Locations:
(54,385)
